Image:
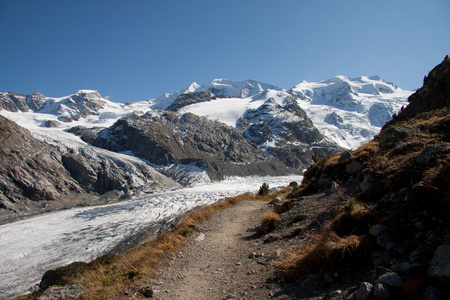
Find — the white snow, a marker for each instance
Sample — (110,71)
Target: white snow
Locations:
(30,247)
(350,111)
(225,110)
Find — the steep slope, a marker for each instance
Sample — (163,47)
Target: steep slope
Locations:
(350,111)
(393,224)
(434,93)
(179,143)
(284,131)
(38,176)
(29,170)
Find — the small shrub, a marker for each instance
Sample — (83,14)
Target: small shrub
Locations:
(264,190)
(351,205)
(316,156)
(187,231)
(270,220)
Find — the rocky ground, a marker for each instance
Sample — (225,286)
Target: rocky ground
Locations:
(227,257)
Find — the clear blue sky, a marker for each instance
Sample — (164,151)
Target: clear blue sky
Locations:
(134,50)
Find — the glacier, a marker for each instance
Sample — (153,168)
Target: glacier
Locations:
(30,247)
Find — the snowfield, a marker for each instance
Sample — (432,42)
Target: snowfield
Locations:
(352,111)
(30,247)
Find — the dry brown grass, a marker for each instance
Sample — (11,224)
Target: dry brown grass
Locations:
(269,222)
(321,166)
(352,221)
(329,253)
(367,150)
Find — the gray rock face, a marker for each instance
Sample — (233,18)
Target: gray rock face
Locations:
(364,291)
(440,264)
(390,279)
(395,134)
(33,173)
(285,132)
(354,167)
(381,291)
(81,104)
(36,101)
(166,138)
(378,229)
(13,102)
(29,170)
(190,98)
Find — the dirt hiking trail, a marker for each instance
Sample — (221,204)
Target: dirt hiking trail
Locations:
(215,264)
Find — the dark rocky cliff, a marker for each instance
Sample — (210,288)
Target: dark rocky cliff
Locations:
(434,94)
(164,138)
(37,176)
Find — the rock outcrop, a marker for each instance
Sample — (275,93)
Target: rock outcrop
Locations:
(30,170)
(286,132)
(166,138)
(190,98)
(74,107)
(434,94)
(37,176)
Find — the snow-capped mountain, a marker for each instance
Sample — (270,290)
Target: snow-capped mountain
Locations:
(350,111)
(222,88)
(347,111)
(204,132)
(82,108)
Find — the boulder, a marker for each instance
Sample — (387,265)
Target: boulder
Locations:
(383,240)
(390,279)
(65,292)
(381,291)
(364,291)
(429,153)
(344,157)
(354,167)
(394,134)
(378,229)
(440,264)
(334,187)
(365,186)
(279,208)
(432,293)
(407,268)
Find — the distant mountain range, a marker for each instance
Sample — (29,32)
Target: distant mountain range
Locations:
(205,132)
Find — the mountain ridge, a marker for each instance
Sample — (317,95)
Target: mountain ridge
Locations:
(205,132)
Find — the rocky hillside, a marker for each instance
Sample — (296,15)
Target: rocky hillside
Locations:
(390,237)
(180,142)
(36,176)
(285,131)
